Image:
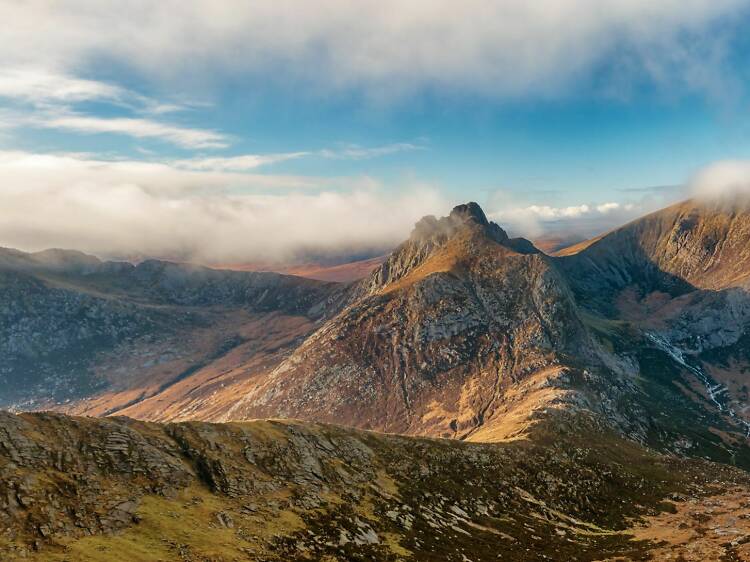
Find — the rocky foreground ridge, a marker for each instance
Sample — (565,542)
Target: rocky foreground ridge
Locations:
(84,489)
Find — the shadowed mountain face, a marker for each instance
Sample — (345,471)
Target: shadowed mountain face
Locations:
(687,246)
(73,326)
(680,278)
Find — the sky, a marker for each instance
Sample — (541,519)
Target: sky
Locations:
(222,131)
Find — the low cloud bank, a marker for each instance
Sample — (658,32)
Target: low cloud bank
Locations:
(213,215)
(576,221)
(147,209)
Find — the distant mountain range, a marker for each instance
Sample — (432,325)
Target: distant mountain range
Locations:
(636,340)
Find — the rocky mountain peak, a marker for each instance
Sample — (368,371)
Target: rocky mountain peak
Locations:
(469,214)
(431,235)
(470,211)
(431,230)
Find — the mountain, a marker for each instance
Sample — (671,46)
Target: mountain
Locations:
(466,333)
(462,332)
(679,278)
(339,271)
(460,326)
(556,241)
(691,245)
(72,326)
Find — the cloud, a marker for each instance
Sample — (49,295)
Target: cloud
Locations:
(387,48)
(727,179)
(130,208)
(43,88)
(246,162)
(584,220)
(135,127)
(575,211)
(35,85)
(51,96)
(236,163)
(355,152)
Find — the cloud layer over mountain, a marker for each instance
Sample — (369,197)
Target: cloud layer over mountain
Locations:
(126,209)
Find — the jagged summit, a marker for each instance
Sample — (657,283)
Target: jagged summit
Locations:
(469,211)
(462,235)
(462,217)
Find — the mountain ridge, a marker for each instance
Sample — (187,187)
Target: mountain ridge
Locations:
(467,333)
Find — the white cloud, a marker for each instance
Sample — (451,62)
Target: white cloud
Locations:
(387,47)
(21,170)
(585,220)
(246,162)
(137,208)
(236,163)
(355,152)
(42,87)
(36,85)
(721,180)
(135,127)
(44,99)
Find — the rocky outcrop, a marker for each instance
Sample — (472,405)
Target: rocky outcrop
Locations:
(429,235)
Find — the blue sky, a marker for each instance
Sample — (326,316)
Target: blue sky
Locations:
(222,131)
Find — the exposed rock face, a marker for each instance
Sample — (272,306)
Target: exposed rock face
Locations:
(90,490)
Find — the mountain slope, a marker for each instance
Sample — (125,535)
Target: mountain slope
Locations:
(572,370)
(73,327)
(114,489)
(677,281)
(466,333)
(693,244)
(457,329)
(462,332)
